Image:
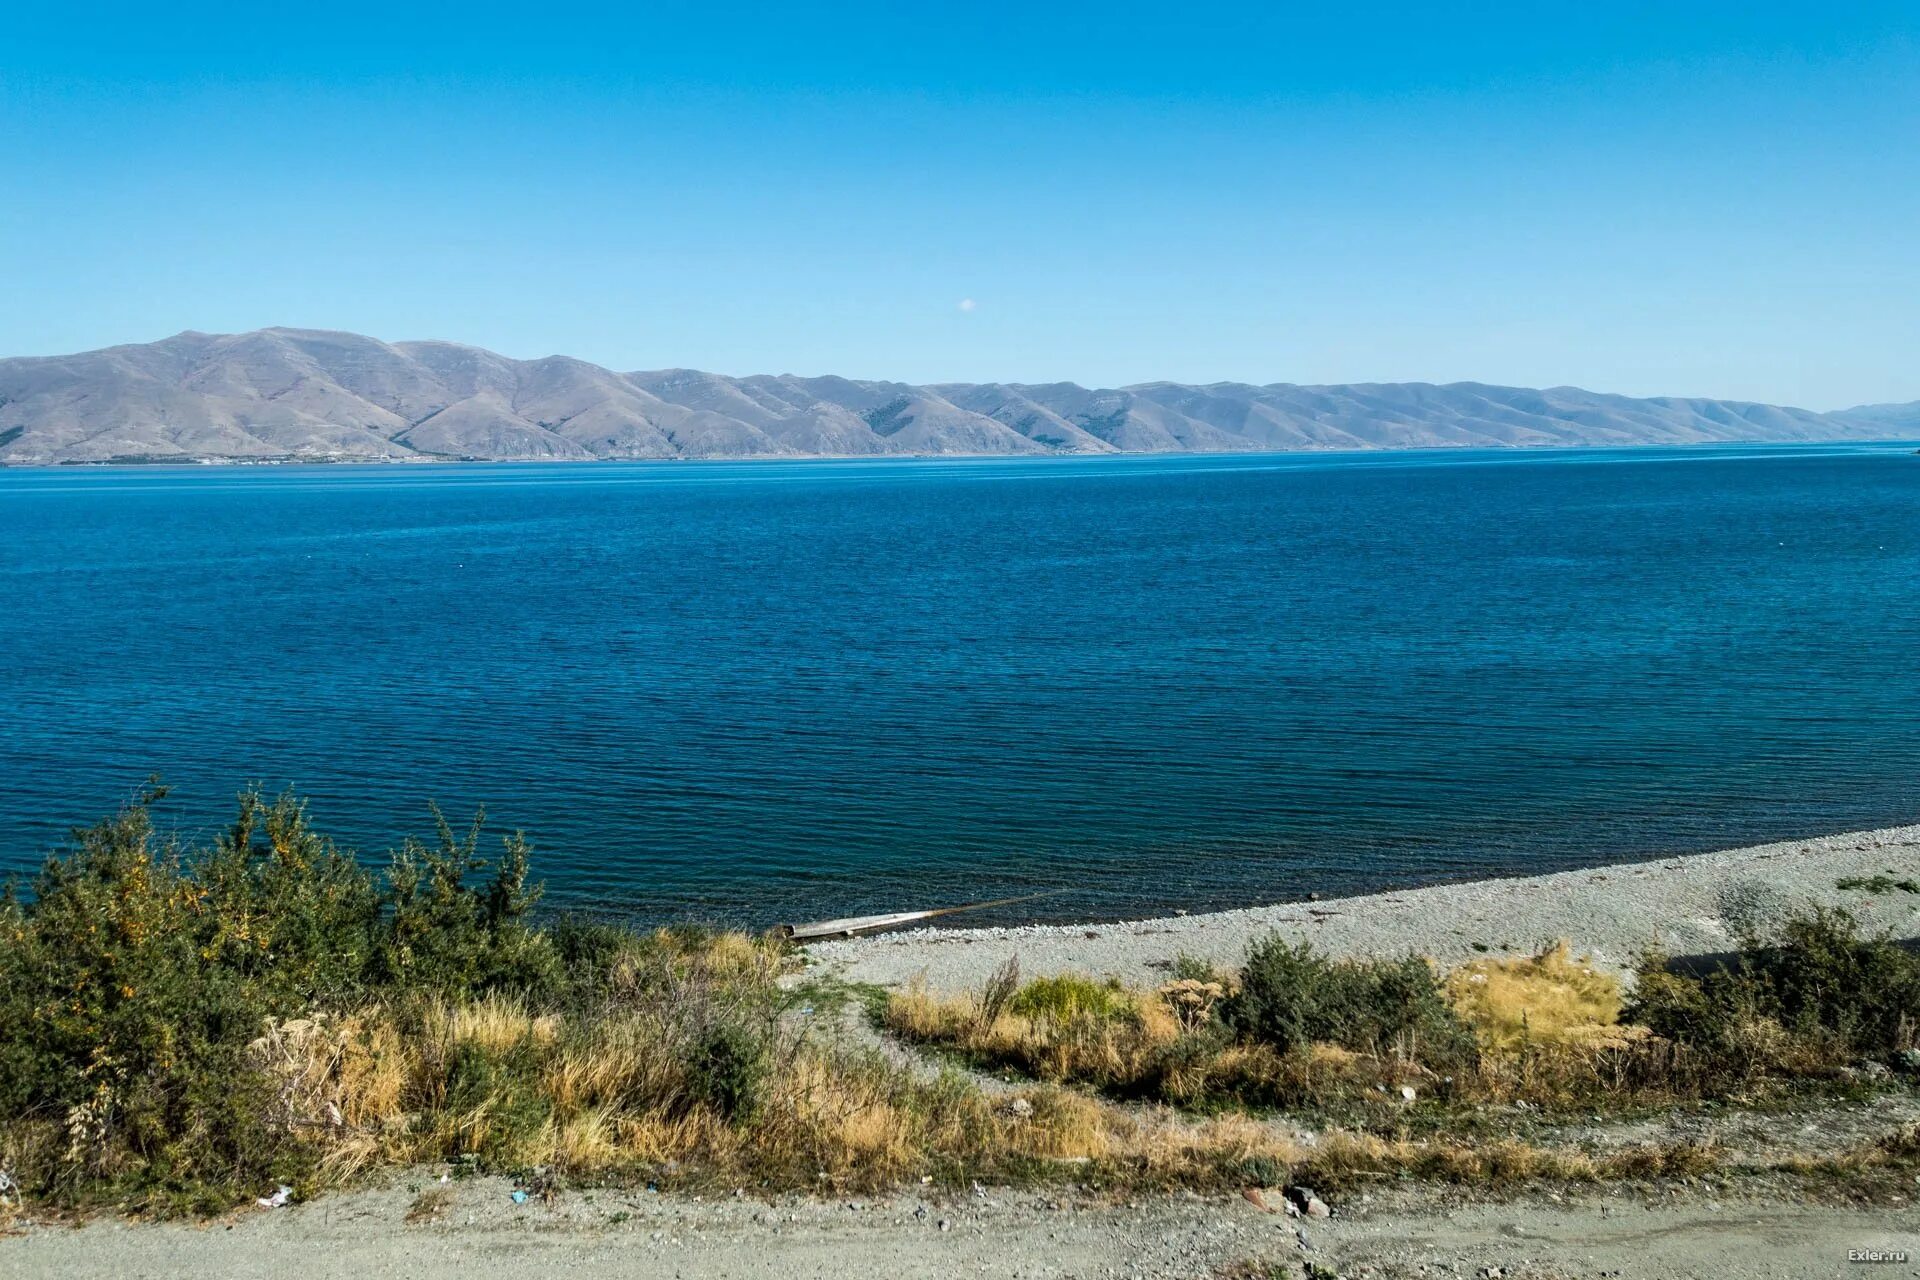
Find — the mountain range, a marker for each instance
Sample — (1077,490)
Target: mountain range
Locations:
(302,394)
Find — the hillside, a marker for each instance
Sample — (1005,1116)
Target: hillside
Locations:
(310,394)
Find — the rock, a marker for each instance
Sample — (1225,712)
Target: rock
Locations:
(1408,1092)
(946,1224)
(1019,1108)
(1253,1197)
(1871,1070)
(1306,1202)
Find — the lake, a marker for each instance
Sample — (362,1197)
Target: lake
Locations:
(763,690)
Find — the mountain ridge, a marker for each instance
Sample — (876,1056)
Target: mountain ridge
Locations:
(312,394)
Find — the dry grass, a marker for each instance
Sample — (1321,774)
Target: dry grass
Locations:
(682,1069)
(494,1023)
(1053,1032)
(1542,1000)
(1549,1031)
(605,1098)
(430,1205)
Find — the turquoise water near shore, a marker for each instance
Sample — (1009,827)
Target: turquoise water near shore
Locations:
(770,690)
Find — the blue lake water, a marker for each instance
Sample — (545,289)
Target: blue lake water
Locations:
(761,690)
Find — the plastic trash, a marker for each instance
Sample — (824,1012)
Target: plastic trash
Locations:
(278,1199)
(519,1197)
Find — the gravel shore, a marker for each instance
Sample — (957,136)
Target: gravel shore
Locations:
(1698,904)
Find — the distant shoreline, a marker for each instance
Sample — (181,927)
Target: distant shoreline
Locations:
(888,459)
(1686,905)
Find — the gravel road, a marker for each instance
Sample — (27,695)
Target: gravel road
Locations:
(481,1232)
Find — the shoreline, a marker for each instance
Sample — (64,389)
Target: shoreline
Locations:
(1683,905)
(135,463)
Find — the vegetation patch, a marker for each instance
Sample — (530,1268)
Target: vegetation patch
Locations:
(1392,1045)
(190,1028)
(1879,884)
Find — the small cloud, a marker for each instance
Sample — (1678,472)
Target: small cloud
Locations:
(968,304)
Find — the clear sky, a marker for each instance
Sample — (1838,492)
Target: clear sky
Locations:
(1684,198)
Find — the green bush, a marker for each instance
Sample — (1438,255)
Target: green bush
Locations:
(1819,982)
(135,975)
(729,1068)
(1291,996)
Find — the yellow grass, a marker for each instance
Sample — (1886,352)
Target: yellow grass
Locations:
(494,1023)
(1547,999)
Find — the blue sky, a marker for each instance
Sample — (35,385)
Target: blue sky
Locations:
(1714,199)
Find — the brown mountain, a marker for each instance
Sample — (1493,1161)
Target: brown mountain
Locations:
(310,394)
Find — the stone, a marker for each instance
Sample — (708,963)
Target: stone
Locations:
(1306,1202)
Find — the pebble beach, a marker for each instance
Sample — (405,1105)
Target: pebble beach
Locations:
(1701,904)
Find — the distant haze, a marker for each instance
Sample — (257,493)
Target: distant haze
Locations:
(317,395)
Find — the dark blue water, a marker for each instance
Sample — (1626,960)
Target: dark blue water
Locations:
(765,690)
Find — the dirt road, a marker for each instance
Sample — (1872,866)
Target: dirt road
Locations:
(475,1229)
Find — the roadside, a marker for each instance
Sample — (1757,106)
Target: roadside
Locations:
(474,1228)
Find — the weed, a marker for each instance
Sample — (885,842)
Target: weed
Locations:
(430,1205)
(1066,998)
(1878,884)
(1001,987)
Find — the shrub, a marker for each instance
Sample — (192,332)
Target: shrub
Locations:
(136,976)
(1292,997)
(729,1069)
(1823,974)
(1818,989)
(489,1089)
